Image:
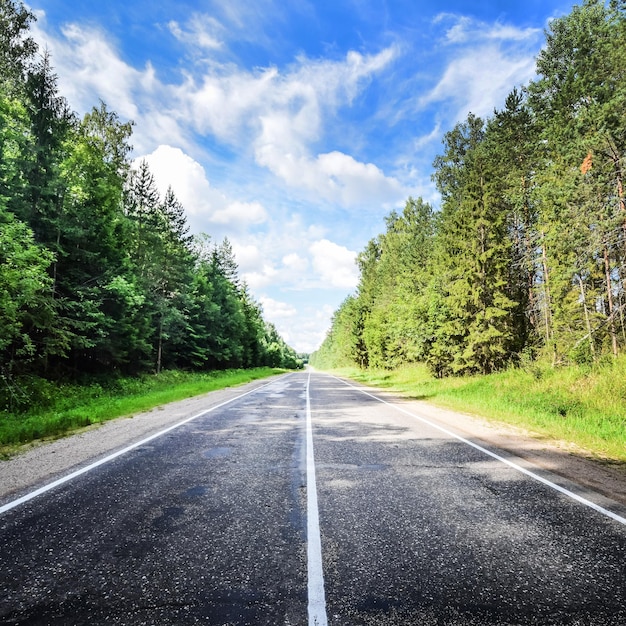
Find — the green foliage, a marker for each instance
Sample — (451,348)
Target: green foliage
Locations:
(473,254)
(527,256)
(99,273)
(55,409)
(25,297)
(16,47)
(581,405)
(344,344)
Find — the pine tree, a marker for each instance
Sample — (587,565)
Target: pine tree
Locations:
(511,137)
(577,101)
(474,256)
(17,48)
(94,240)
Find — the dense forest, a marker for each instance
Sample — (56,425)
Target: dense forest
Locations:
(98,273)
(526,257)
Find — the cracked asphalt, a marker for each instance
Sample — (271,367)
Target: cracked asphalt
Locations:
(207,525)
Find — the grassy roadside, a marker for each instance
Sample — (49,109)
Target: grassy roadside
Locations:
(71,407)
(584,406)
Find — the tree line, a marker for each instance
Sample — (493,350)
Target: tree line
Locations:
(98,272)
(526,258)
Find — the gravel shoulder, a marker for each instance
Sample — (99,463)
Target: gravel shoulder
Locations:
(559,458)
(43,463)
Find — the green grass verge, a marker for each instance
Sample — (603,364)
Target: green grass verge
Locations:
(583,406)
(67,408)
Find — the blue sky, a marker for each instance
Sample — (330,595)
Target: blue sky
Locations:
(293,127)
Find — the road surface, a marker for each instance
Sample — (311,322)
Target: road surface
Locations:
(309,501)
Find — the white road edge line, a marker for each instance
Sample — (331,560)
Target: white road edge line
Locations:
(519,468)
(115,455)
(315,573)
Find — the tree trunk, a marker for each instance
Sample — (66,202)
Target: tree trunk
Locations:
(160,347)
(609,293)
(587,320)
(546,289)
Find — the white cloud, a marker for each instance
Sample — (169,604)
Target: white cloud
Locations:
(262,277)
(287,258)
(465,29)
(203,204)
(87,63)
(248,256)
(424,140)
(485,61)
(506,32)
(334,176)
(226,104)
(90,68)
(458,32)
(358,183)
(261,267)
(203,32)
(306,330)
(171,166)
(480,79)
(274,309)
(240,214)
(271,115)
(282,115)
(335,264)
(294,262)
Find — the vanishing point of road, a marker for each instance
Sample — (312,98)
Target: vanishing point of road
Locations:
(309,500)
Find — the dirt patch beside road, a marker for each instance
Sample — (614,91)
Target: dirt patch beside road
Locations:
(44,463)
(561,458)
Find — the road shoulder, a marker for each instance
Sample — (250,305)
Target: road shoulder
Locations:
(558,457)
(43,462)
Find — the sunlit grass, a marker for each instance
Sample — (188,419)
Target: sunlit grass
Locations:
(584,406)
(71,407)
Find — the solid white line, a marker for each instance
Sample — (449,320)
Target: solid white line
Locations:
(115,455)
(317,598)
(519,468)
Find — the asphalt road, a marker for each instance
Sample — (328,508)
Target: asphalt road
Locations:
(210,523)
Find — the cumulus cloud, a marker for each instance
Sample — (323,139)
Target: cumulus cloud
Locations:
(333,176)
(240,213)
(262,277)
(291,260)
(358,182)
(248,256)
(273,309)
(171,166)
(295,263)
(273,116)
(265,266)
(334,264)
(282,114)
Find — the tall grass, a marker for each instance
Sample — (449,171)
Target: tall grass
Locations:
(59,409)
(582,405)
